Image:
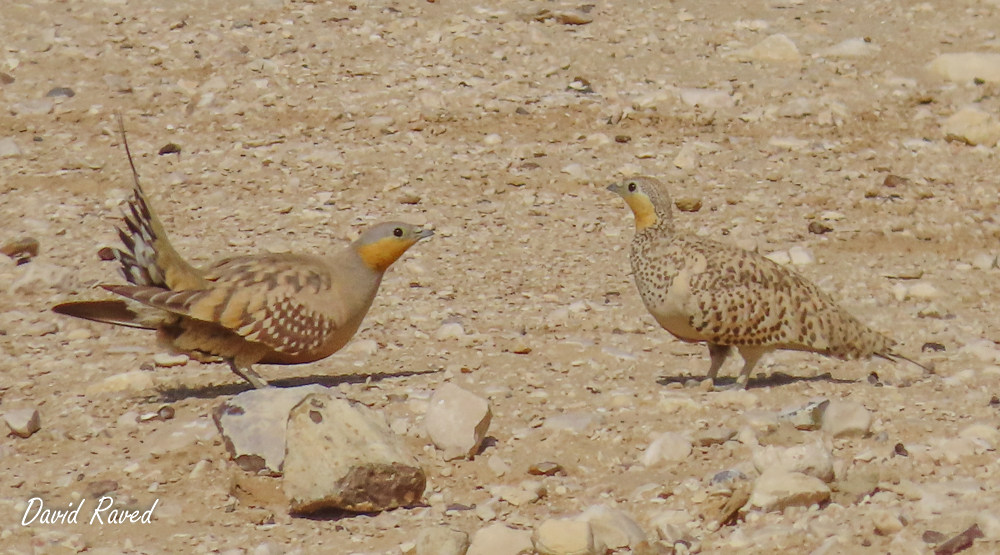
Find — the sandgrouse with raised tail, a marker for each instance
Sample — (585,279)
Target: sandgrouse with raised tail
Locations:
(701,290)
(266,308)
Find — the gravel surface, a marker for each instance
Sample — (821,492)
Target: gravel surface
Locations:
(817,132)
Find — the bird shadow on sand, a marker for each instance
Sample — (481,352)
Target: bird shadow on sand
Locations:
(772,380)
(224,390)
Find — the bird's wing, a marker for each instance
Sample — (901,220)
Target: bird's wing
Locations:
(744,298)
(273,300)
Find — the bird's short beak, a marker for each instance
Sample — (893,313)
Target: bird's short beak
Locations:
(615,188)
(424,233)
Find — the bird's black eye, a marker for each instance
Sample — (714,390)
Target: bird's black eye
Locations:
(398,232)
(632,187)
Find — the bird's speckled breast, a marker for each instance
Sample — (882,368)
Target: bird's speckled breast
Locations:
(663,274)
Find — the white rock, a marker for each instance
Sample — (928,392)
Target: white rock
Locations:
(788,143)
(668,447)
(136,380)
(441,540)
(779,257)
(672,526)
(612,528)
(576,171)
(8,148)
(596,140)
(517,495)
(492,139)
(363,347)
(498,539)
(989,524)
(886,523)
(451,330)
(577,422)
(734,398)
(558,536)
(166,360)
(967,66)
(687,158)
(952,450)
(984,431)
(922,290)
(984,261)
(707,98)
(846,419)
(253,425)
(340,454)
(267,548)
(457,421)
(498,465)
(850,48)
(23,422)
(800,256)
(973,126)
(983,349)
(775,48)
(776,489)
(811,459)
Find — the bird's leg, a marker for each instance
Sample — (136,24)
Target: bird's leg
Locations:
(751,354)
(242,366)
(718,353)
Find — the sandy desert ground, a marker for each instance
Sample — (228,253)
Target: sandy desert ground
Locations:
(499,125)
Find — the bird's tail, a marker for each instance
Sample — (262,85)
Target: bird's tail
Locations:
(148,258)
(117,312)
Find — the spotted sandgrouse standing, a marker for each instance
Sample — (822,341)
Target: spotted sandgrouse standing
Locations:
(268,308)
(701,290)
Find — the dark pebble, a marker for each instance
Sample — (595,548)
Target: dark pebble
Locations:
(546,469)
(61,91)
(960,542)
(819,228)
(900,450)
(170,148)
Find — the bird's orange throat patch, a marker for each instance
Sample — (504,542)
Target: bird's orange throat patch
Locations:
(642,207)
(382,253)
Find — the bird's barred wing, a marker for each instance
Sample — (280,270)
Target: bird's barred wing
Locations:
(264,300)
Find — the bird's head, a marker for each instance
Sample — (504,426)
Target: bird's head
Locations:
(381,245)
(648,199)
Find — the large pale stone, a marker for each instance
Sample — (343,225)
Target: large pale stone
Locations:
(612,528)
(972,126)
(340,454)
(441,540)
(811,459)
(775,48)
(558,536)
(776,489)
(498,539)
(23,422)
(846,419)
(457,421)
(253,425)
(966,66)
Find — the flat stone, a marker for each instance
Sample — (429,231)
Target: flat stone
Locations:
(253,425)
(498,539)
(775,48)
(441,540)
(342,455)
(846,419)
(167,360)
(668,447)
(972,126)
(811,459)
(8,148)
(23,422)
(135,380)
(983,431)
(176,436)
(672,525)
(577,422)
(851,48)
(457,421)
(966,66)
(777,489)
(612,528)
(887,523)
(558,536)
